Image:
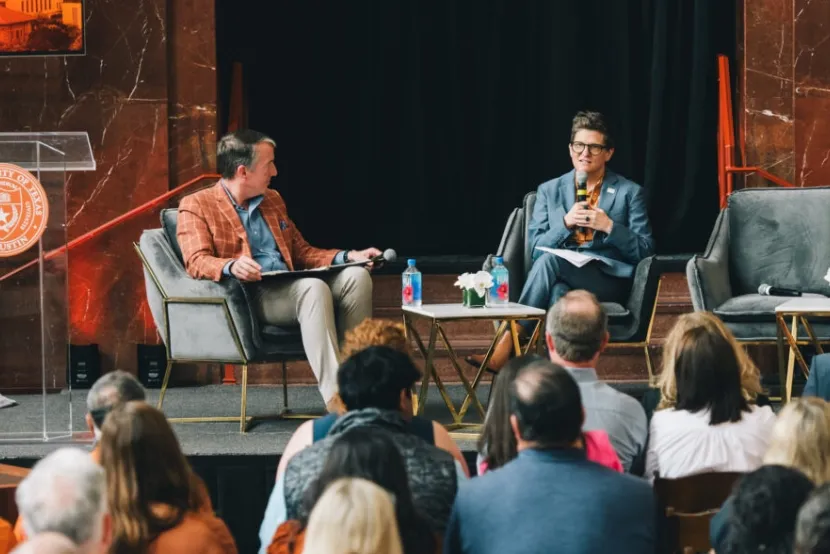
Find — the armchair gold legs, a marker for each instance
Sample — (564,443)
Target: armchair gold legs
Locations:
(243,419)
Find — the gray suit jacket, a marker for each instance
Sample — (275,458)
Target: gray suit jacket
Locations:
(630,239)
(553,501)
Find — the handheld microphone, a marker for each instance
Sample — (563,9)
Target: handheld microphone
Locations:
(581,189)
(388,255)
(769,290)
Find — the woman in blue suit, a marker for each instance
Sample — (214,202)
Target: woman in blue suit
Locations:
(611,225)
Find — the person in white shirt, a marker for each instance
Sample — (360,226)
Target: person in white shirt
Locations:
(707,420)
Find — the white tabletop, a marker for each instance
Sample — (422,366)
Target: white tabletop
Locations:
(806,304)
(458,311)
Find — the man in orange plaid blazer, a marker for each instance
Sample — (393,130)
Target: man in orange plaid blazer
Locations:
(240,228)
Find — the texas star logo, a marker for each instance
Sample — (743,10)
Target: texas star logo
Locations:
(24,210)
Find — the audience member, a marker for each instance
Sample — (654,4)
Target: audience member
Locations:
(764,510)
(371,455)
(372,332)
(750,377)
(353,516)
(818,382)
(376,386)
(7,538)
(577,333)
(47,543)
(65,493)
(812,526)
(158,504)
(800,439)
(711,426)
(497,444)
(110,390)
(550,498)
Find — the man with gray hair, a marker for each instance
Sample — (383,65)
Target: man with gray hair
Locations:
(240,228)
(576,335)
(66,493)
(113,389)
(47,543)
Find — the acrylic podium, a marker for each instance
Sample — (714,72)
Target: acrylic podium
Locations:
(34,304)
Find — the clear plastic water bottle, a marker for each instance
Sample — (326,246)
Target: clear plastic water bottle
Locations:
(411,285)
(500,291)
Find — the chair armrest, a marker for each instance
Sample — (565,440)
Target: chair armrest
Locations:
(708,275)
(643,293)
(195,309)
(512,249)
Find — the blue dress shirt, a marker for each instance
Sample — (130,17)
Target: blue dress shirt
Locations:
(264,249)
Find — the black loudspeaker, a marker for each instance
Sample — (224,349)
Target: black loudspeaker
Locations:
(152,361)
(84,367)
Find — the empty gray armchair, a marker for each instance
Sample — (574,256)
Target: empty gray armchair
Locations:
(204,321)
(629,325)
(773,236)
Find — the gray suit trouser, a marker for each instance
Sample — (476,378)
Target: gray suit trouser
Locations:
(550,278)
(325,308)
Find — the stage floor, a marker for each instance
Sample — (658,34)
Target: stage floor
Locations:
(201,439)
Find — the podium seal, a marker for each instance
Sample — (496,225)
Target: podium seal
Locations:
(24,210)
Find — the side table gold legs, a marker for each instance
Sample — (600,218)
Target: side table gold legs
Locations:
(428,352)
(790,335)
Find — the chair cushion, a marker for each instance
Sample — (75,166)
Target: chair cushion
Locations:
(752,307)
(779,236)
(615,310)
(169,220)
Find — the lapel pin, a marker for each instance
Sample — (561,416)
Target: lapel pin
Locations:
(283,225)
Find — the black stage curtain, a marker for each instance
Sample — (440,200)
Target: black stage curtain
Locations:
(419,125)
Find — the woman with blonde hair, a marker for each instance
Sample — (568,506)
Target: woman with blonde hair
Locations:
(157,504)
(800,440)
(707,419)
(353,515)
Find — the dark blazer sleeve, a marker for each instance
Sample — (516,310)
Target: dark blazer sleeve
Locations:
(632,238)
(547,227)
(817,382)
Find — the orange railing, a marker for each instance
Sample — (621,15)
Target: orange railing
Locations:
(88,236)
(726,139)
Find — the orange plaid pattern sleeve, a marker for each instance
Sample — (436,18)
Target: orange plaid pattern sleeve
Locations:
(207,245)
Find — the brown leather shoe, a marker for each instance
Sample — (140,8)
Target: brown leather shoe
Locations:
(502,353)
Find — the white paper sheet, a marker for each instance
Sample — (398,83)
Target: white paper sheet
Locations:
(578,259)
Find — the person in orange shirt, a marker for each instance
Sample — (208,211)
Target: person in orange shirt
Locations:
(158,504)
(7,538)
(112,389)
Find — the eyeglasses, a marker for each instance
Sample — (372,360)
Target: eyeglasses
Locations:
(594,149)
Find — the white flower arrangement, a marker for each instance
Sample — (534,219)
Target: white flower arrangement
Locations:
(479,282)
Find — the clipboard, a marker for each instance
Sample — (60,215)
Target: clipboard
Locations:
(315,272)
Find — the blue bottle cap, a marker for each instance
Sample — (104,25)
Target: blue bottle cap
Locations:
(498,260)
(410,262)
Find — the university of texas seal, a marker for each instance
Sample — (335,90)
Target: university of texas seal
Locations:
(24,210)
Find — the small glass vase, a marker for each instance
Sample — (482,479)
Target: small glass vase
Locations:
(472,299)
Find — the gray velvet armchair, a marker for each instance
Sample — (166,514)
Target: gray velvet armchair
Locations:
(629,325)
(774,236)
(208,322)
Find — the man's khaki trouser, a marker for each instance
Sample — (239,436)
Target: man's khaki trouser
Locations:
(325,308)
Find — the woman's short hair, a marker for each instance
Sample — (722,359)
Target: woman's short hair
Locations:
(497,442)
(801,438)
(353,515)
(144,467)
(677,341)
(764,508)
(375,332)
